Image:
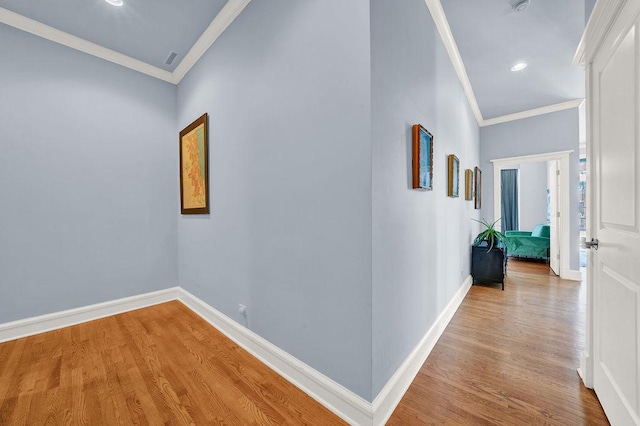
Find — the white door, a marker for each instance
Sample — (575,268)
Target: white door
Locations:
(615,110)
(553,183)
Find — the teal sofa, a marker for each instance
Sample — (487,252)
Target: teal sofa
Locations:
(534,244)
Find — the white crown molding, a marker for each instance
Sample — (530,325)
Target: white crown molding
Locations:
(440,19)
(45,31)
(43,323)
(576,103)
(389,397)
(221,22)
(596,29)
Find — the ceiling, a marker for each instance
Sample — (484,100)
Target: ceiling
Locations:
(484,39)
(147,30)
(491,37)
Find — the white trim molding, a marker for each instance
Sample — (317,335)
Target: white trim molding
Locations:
(576,103)
(389,397)
(596,29)
(341,401)
(43,323)
(221,22)
(564,222)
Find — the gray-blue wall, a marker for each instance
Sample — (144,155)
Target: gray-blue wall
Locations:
(546,133)
(88,200)
(287,89)
(421,240)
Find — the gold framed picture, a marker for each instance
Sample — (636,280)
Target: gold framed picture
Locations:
(194,167)
(453,186)
(468,184)
(477,181)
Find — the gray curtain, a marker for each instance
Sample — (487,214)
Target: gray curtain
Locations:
(509,190)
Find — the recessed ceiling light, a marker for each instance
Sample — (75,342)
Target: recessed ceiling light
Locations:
(115,2)
(519,66)
(521,5)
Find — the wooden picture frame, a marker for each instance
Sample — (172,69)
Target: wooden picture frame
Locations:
(194,167)
(468,184)
(422,176)
(453,183)
(477,181)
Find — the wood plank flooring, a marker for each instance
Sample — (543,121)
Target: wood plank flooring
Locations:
(508,358)
(161,365)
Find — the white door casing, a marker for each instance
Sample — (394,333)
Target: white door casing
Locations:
(611,50)
(562,157)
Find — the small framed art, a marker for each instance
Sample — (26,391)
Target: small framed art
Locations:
(422,176)
(453,184)
(194,167)
(468,184)
(477,180)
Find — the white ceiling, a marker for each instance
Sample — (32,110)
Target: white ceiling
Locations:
(483,38)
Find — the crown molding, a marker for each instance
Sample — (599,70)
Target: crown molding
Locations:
(45,31)
(597,27)
(576,103)
(221,22)
(440,19)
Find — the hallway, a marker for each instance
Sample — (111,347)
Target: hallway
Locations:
(508,358)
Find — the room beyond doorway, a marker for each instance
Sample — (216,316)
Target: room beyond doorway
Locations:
(562,231)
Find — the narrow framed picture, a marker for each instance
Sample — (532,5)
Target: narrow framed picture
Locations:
(194,167)
(477,181)
(422,176)
(468,184)
(453,184)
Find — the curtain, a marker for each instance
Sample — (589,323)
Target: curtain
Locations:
(509,191)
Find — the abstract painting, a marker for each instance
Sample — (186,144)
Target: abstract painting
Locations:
(422,158)
(453,187)
(477,180)
(468,184)
(194,167)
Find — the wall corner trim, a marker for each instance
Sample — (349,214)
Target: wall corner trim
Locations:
(344,403)
(49,322)
(571,274)
(389,397)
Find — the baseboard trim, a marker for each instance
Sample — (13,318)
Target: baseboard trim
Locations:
(391,394)
(49,322)
(571,274)
(341,401)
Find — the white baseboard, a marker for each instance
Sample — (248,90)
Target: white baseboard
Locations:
(571,274)
(341,401)
(391,394)
(43,323)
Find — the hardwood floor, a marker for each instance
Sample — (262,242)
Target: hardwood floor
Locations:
(508,358)
(158,365)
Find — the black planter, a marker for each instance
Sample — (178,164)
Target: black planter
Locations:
(488,266)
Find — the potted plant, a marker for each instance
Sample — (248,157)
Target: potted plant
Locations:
(491,235)
(489,265)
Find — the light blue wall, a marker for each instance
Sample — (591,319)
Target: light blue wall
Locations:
(552,132)
(421,240)
(88,197)
(287,89)
(533,194)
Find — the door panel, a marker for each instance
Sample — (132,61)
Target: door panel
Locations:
(554,249)
(616,149)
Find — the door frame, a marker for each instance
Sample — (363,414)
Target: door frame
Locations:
(563,223)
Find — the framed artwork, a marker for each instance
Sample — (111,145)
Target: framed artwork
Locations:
(453,187)
(422,176)
(194,167)
(477,180)
(468,184)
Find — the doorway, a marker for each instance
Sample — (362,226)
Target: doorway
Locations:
(561,225)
